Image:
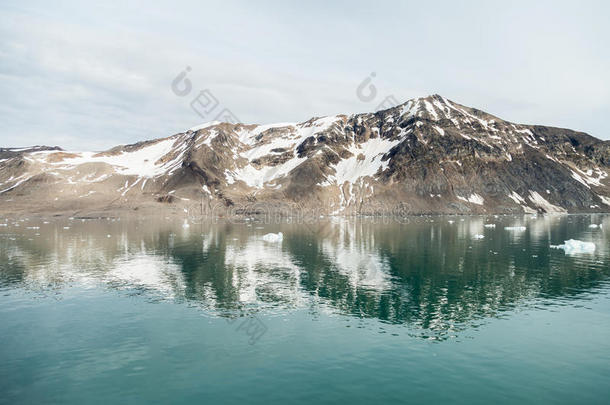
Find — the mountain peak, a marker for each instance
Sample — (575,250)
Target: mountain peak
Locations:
(429,154)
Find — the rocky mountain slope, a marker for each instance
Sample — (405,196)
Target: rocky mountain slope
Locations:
(428,155)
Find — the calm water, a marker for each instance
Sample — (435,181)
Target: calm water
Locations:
(359,311)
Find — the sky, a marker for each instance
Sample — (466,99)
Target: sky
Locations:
(92,75)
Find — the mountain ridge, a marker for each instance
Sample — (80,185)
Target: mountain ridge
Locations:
(428,155)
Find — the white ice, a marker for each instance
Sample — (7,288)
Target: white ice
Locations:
(573,246)
(273,237)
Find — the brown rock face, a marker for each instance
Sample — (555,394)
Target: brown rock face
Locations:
(429,155)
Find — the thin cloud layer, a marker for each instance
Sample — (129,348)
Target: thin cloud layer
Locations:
(90,77)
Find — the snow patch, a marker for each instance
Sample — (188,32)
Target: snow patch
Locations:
(539,201)
(351,169)
(473,198)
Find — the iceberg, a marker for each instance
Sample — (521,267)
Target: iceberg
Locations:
(574,246)
(273,237)
(515,228)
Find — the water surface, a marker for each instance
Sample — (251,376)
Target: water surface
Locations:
(361,310)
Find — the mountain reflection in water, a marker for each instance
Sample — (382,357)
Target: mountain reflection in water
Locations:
(430,274)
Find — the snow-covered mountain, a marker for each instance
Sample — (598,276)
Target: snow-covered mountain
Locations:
(428,155)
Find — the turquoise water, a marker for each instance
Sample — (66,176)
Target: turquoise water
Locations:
(361,311)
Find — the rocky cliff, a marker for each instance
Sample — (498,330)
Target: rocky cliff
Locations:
(428,155)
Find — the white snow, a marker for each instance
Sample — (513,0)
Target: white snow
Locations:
(204,125)
(16,184)
(516,198)
(254,177)
(353,168)
(586,177)
(430,109)
(141,162)
(544,204)
(258,177)
(473,198)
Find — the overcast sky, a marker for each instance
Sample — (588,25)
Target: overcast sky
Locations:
(93,76)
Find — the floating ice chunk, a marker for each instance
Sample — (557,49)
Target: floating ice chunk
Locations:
(478,236)
(574,246)
(273,237)
(450,221)
(515,228)
(490,225)
(595,226)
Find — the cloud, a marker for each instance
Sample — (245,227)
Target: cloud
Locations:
(90,77)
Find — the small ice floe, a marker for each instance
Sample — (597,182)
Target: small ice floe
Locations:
(478,236)
(109,236)
(186,224)
(66,227)
(273,237)
(574,246)
(451,221)
(595,226)
(3,224)
(515,228)
(490,225)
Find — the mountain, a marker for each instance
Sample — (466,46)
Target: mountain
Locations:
(429,155)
